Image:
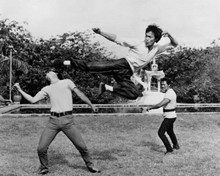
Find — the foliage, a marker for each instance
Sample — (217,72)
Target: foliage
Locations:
(78,45)
(194,72)
(36,56)
(14,40)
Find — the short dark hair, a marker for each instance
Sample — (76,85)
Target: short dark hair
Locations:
(56,63)
(168,80)
(156,30)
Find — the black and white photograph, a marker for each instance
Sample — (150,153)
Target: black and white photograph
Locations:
(109,88)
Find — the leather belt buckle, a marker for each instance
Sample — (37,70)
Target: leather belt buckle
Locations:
(61,113)
(169,110)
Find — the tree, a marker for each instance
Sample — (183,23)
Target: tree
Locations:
(36,56)
(12,34)
(78,45)
(194,72)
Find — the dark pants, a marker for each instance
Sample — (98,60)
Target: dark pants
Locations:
(66,125)
(121,71)
(167,126)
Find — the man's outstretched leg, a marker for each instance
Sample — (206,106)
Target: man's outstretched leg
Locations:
(105,67)
(121,71)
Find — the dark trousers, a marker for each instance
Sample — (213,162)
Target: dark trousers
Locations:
(121,71)
(167,126)
(66,125)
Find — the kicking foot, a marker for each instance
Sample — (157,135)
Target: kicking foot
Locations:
(67,62)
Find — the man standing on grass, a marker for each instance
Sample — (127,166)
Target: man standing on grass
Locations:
(139,55)
(61,119)
(169,112)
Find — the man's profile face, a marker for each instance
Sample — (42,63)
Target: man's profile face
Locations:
(149,39)
(164,86)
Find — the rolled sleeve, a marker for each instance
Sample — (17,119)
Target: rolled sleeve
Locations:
(71,84)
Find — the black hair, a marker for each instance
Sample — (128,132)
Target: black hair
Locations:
(60,76)
(156,30)
(168,80)
(58,67)
(56,63)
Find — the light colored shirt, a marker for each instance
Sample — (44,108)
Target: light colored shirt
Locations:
(171,95)
(60,95)
(139,55)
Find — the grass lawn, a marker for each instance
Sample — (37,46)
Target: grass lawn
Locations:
(121,145)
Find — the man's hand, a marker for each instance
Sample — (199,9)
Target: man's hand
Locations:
(97,30)
(165,34)
(7,102)
(17,86)
(148,108)
(95,109)
(172,40)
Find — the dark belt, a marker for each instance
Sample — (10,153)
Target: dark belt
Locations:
(60,113)
(169,110)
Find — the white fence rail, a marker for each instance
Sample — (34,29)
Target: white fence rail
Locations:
(17,107)
(179,105)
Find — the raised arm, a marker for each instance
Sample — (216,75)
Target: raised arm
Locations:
(164,102)
(108,36)
(39,96)
(173,41)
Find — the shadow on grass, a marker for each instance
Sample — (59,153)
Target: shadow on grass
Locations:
(56,158)
(151,145)
(110,154)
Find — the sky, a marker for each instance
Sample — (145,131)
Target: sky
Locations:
(194,23)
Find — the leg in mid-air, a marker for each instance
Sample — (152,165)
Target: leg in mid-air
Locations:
(121,71)
(124,87)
